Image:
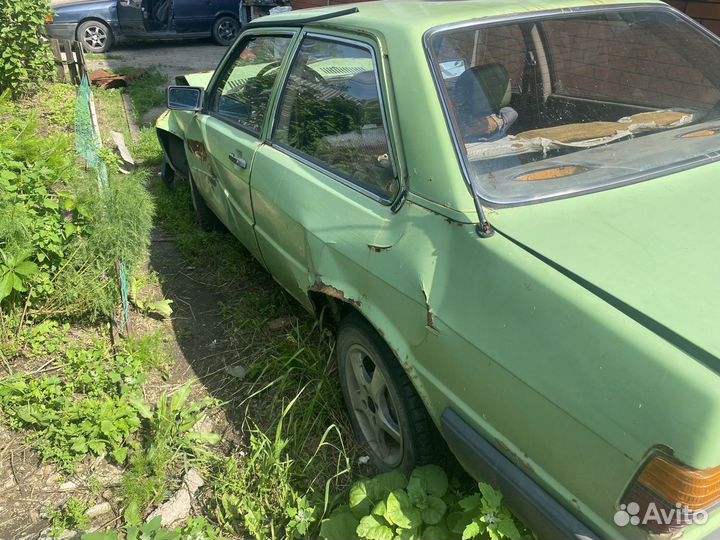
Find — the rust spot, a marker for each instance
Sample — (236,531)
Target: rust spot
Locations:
(520,460)
(333,292)
(430,318)
(198,149)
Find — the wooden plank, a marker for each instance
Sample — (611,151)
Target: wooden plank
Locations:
(128,161)
(66,45)
(130,115)
(79,54)
(55,46)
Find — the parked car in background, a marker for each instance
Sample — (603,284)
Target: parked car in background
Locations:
(98,24)
(509,213)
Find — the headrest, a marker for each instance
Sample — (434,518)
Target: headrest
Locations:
(363,86)
(482,90)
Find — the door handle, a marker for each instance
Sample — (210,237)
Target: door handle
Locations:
(240,162)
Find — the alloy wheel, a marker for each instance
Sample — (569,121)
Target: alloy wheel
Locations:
(373,405)
(226,31)
(95,37)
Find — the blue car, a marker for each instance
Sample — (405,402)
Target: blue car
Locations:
(98,24)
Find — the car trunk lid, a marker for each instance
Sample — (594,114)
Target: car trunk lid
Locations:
(651,249)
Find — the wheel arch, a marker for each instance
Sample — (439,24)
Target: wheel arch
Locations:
(332,302)
(227,13)
(174,147)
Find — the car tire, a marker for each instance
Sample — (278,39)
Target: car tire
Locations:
(225,30)
(207,220)
(381,400)
(167,173)
(95,36)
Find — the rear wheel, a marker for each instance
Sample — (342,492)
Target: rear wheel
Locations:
(95,36)
(387,414)
(225,30)
(206,218)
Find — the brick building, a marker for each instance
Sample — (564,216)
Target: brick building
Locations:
(707,12)
(300,4)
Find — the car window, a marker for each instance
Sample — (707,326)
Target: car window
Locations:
(570,103)
(242,93)
(331,112)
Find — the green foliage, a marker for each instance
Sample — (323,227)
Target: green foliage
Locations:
(168,438)
(196,529)
(53,216)
(25,62)
(389,506)
(70,516)
(92,407)
(147,149)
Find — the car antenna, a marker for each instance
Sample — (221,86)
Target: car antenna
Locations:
(300,22)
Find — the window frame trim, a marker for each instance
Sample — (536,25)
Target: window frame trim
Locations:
(227,62)
(320,166)
(481,199)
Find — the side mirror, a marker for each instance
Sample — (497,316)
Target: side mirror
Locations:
(185,98)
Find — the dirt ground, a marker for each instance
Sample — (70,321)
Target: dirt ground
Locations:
(171,58)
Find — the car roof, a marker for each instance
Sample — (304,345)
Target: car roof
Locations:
(417,16)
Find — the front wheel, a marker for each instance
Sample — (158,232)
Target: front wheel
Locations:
(205,216)
(387,414)
(225,30)
(95,36)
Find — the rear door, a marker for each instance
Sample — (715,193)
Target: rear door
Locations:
(222,141)
(194,15)
(323,188)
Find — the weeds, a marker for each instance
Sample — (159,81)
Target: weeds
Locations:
(169,439)
(91,406)
(59,236)
(389,506)
(70,516)
(147,149)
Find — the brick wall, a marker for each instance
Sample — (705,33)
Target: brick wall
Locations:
(301,4)
(596,59)
(707,12)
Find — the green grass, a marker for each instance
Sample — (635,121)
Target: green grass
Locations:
(146,92)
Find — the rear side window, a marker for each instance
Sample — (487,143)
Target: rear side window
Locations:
(243,91)
(331,113)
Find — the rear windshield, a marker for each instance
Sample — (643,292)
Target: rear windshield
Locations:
(560,105)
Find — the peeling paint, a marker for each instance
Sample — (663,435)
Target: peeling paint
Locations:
(333,292)
(379,249)
(430,317)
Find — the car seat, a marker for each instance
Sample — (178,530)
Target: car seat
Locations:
(484,91)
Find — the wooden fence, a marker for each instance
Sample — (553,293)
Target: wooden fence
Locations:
(69,60)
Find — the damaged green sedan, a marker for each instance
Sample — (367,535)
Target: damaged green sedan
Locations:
(509,212)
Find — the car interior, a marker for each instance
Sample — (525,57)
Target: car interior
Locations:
(530,68)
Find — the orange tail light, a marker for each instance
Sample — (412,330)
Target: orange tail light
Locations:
(666,486)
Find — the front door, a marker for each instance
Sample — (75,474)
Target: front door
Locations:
(131,17)
(223,139)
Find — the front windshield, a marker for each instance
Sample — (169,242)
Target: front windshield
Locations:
(558,105)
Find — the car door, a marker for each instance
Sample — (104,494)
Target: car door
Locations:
(194,15)
(323,188)
(222,140)
(131,17)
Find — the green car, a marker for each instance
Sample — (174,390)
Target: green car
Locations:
(510,214)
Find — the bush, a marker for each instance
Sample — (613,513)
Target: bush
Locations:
(25,61)
(59,235)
